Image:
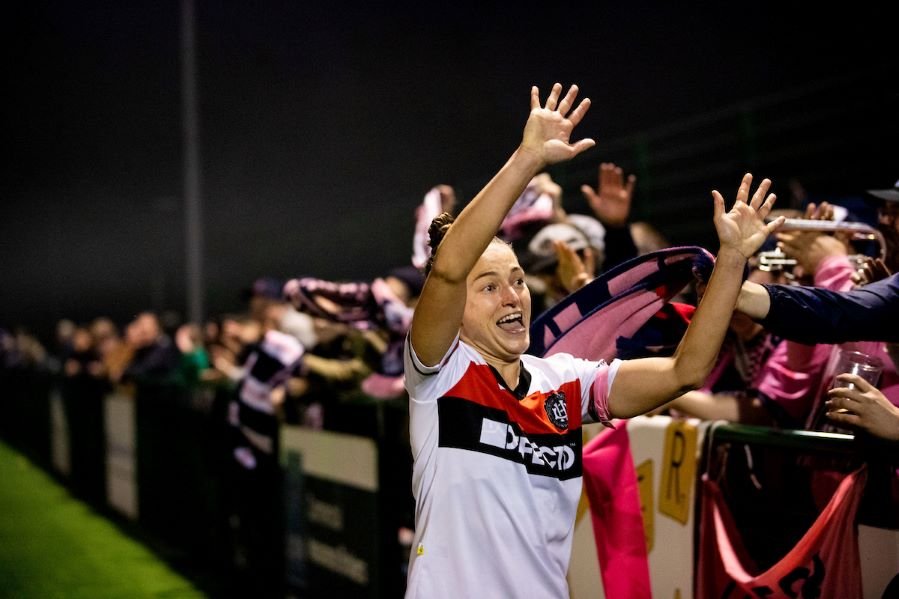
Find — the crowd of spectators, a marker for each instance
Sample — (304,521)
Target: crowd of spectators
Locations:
(347,336)
(303,344)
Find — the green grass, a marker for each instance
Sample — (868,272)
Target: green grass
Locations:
(52,545)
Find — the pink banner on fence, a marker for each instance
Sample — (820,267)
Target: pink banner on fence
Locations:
(611,484)
(824,564)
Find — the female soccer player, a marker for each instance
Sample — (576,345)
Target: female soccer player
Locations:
(496,434)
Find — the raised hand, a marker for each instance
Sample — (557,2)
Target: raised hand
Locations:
(611,201)
(573,272)
(547,133)
(743,228)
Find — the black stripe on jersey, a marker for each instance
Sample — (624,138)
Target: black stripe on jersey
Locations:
(266,367)
(262,423)
(468,425)
(414,363)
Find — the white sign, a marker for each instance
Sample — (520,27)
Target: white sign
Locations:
(121,467)
(59,434)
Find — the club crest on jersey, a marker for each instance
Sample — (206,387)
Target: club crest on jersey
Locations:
(556,409)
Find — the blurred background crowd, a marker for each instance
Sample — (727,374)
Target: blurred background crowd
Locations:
(304,342)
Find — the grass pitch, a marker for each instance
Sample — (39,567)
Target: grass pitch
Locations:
(52,545)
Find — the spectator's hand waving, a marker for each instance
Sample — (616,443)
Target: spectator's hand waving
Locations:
(611,201)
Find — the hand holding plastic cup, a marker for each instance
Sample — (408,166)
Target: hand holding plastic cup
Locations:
(847,361)
(858,363)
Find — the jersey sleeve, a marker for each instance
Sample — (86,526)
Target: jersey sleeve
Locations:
(596,383)
(417,374)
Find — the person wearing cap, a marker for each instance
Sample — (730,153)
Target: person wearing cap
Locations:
(563,257)
(888,195)
(496,433)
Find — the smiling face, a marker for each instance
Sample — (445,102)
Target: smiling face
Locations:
(497,307)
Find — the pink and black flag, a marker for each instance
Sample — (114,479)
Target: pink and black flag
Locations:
(597,320)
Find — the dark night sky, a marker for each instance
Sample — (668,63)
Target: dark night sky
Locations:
(323,124)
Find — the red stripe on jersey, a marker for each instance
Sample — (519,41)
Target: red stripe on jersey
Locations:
(479,385)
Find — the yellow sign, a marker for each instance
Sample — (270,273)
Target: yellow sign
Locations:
(678,471)
(644,484)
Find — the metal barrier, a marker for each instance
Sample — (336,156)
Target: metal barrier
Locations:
(158,457)
(777,481)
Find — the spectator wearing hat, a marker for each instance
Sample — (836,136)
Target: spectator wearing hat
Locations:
(563,257)
(567,253)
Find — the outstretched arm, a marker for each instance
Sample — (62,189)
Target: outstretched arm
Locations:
(815,315)
(754,300)
(644,384)
(546,140)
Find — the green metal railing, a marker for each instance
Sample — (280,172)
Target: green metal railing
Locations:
(799,440)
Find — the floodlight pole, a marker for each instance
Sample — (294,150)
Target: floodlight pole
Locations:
(193,206)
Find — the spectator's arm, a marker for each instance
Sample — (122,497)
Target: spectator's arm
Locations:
(812,315)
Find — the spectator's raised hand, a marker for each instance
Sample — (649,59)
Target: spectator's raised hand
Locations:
(611,201)
(572,271)
(861,405)
(547,133)
(810,248)
(743,228)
